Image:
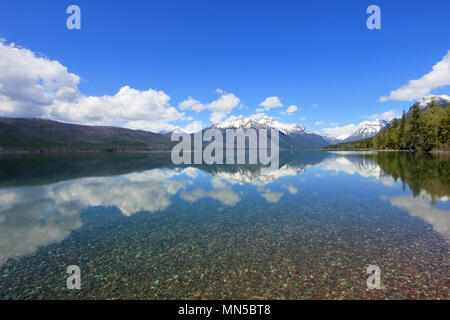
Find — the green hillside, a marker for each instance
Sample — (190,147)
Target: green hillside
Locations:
(419,131)
(19,134)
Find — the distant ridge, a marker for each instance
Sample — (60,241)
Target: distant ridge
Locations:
(22,134)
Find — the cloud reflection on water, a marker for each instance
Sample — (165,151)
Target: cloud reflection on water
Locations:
(36,216)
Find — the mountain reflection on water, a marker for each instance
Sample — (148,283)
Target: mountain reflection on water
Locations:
(44,199)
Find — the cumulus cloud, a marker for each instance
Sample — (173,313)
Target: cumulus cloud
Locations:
(270,102)
(292,109)
(220,108)
(33,86)
(387,115)
(255,116)
(131,108)
(258,116)
(340,132)
(439,76)
(194,127)
(30,84)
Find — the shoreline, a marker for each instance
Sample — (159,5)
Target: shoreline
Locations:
(409,151)
(24,151)
(68,151)
(4,151)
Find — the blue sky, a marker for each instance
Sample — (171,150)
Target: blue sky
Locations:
(316,55)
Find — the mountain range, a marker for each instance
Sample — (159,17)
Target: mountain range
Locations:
(296,136)
(22,134)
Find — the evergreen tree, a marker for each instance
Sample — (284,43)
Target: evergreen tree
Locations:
(394,135)
(413,137)
(401,132)
(444,129)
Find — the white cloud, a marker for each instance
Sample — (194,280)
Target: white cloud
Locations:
(192,104)
(303,118)
(269,103)
(32,86)
(315,105)
(131,108)
(387,115)
(194,127)
(291,109)
(220,108)
(29,84)
(340,132)
(258,116)
(217,117)
(319,123)
(255,116)
(438,77)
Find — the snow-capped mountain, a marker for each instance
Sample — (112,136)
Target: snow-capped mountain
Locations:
(366,129)
(425,102)
(291,135)
(332,140)
(263,123)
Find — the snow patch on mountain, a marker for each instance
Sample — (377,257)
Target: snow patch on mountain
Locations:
(429,99)
(263,123)
(367,129)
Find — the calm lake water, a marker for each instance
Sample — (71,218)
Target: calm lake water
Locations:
(140,228)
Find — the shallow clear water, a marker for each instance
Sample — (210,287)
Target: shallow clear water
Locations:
(141,228)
